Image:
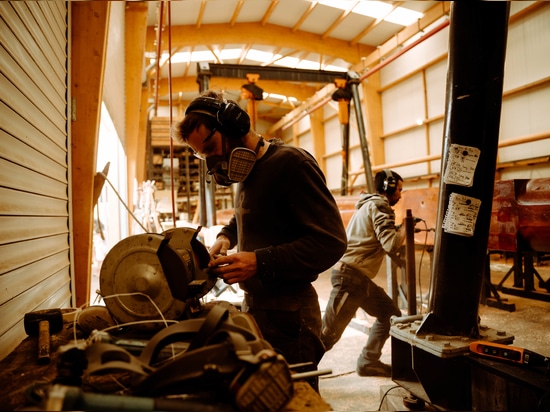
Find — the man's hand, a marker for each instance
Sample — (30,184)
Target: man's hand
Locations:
(234,268)
(220,246)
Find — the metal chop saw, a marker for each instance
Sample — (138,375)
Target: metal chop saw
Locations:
(146,275)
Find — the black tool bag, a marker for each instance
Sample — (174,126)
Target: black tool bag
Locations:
(222,355)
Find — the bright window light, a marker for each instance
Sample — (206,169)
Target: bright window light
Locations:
(308,65)
(287,62)
(331,68)
(229,54)
(375,9)
(403,16)
(260,56)
(339,4)
(186,57)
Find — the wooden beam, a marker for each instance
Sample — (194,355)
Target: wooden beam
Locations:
(134,42)
(316,119)
(89,28)
(268,34)
(372,101)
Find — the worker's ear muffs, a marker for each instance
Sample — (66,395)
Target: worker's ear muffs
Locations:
(389,182)
(233,120)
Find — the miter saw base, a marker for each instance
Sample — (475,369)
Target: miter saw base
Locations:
(152,277)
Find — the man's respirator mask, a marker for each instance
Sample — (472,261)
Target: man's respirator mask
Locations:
(234,165)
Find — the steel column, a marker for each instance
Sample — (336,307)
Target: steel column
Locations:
(353,82)
(207,190)
(477,48)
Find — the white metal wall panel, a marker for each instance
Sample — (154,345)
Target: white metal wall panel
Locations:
(527,62)
(436,84)
(34,200)
(403,105)
(416,57)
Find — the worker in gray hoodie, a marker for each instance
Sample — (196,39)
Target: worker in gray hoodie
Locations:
(372,233)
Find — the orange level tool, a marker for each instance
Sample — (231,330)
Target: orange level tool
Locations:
(509,353)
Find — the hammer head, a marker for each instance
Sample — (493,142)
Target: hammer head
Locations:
(33,319)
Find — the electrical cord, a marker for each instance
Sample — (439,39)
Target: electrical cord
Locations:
(426,229)
(386,394)
(122,201)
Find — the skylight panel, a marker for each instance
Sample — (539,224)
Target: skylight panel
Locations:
(259,56)
(375,9)
(308,65)
(229,54)
(287,62)
(403,16)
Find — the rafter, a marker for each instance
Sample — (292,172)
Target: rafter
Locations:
(236,12)
(374,24)
(304,16)
(268,12)
(270,34)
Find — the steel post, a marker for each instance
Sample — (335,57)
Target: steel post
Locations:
(477,48)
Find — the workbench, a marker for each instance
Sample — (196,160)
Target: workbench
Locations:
(20,370)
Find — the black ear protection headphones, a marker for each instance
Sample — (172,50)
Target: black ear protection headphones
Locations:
(233,120)
(389,182)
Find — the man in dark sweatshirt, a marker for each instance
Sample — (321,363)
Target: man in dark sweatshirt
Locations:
(286,224)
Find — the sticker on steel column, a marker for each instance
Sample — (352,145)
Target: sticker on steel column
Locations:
(461,215)
(461,165)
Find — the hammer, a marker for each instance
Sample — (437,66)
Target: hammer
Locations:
(43,323)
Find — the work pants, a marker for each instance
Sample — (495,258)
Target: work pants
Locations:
(352,290)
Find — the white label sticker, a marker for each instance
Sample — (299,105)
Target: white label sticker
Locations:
(461,215)
(461,165)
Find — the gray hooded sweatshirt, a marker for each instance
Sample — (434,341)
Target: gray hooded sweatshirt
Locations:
(371,233)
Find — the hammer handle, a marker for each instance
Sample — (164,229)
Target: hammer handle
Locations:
(44,342)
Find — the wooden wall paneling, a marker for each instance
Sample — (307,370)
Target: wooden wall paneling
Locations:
(89,29)
(134,43)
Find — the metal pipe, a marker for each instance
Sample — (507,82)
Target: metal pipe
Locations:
(477,49)
(345,156)
(353,82)
(206,192)
(410,270)
(404,50)
(159,43)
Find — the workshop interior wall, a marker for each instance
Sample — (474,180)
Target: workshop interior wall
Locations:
(34,178)
(413,105)
(526,101)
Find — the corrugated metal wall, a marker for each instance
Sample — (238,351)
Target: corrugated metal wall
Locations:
(34,190)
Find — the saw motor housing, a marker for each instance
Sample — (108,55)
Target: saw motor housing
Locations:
(154,276)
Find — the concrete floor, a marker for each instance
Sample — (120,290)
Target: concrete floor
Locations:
(344,390)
